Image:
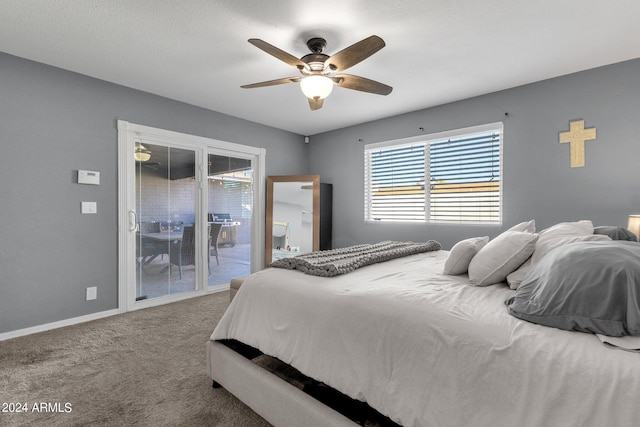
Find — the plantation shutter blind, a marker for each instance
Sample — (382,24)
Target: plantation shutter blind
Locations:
(465,179)
(463,173)
(394,178)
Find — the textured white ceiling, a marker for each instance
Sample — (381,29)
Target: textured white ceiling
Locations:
(437,51)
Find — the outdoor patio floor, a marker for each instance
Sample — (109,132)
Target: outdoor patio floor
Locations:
(156,279)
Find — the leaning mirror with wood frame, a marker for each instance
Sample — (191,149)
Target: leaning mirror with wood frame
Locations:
(292,216)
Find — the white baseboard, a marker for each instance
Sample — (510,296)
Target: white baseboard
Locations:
(154,302)
(94,316)
(59,324)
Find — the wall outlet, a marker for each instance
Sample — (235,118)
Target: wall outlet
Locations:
(92,293)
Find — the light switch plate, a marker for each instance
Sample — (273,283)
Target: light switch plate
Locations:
(89,207)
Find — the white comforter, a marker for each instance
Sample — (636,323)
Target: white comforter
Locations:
(427,349)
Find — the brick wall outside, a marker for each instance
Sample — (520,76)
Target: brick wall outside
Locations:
(163,200)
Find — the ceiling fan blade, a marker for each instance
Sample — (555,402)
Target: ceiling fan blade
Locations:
(272,82)
(315,104)
(350,56)
(360,83)
(278,53)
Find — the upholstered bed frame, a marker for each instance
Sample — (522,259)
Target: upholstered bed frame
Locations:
(274,399)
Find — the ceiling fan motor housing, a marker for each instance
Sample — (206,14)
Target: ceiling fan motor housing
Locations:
(316,60)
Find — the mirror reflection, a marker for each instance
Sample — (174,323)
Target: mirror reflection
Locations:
(292,216)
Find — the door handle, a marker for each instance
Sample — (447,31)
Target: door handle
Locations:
(133,221)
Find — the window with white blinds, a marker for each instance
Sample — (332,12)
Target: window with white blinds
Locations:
(452,177)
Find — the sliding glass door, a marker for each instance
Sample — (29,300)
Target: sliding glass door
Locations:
(191,214)
(166,190)
(230,216)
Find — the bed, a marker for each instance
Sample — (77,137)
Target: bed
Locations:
(424,348)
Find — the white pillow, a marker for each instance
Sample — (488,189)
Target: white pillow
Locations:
(578,228)
(514,279)
(501,256)
(461,254)
(548,236)
(527,227)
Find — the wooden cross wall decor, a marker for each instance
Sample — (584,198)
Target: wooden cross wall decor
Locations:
(576,136)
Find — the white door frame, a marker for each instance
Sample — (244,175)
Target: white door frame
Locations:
(128,133)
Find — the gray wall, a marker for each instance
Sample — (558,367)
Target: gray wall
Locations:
(52,123)
(538,181)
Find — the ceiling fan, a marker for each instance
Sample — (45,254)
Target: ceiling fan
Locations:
(318,69)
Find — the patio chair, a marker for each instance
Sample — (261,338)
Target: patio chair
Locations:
(214,235)
(183,252)
(147,249)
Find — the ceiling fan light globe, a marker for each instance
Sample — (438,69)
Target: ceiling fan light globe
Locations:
(316,87)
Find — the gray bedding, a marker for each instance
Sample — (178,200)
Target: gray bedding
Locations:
(340,261)
(589,287)
(616,233)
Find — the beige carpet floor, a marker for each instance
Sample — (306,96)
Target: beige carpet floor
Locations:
(144,368)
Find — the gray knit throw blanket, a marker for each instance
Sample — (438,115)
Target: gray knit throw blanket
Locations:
(340,261)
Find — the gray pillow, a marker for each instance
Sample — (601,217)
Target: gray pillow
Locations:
(588,286)
(616,233)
